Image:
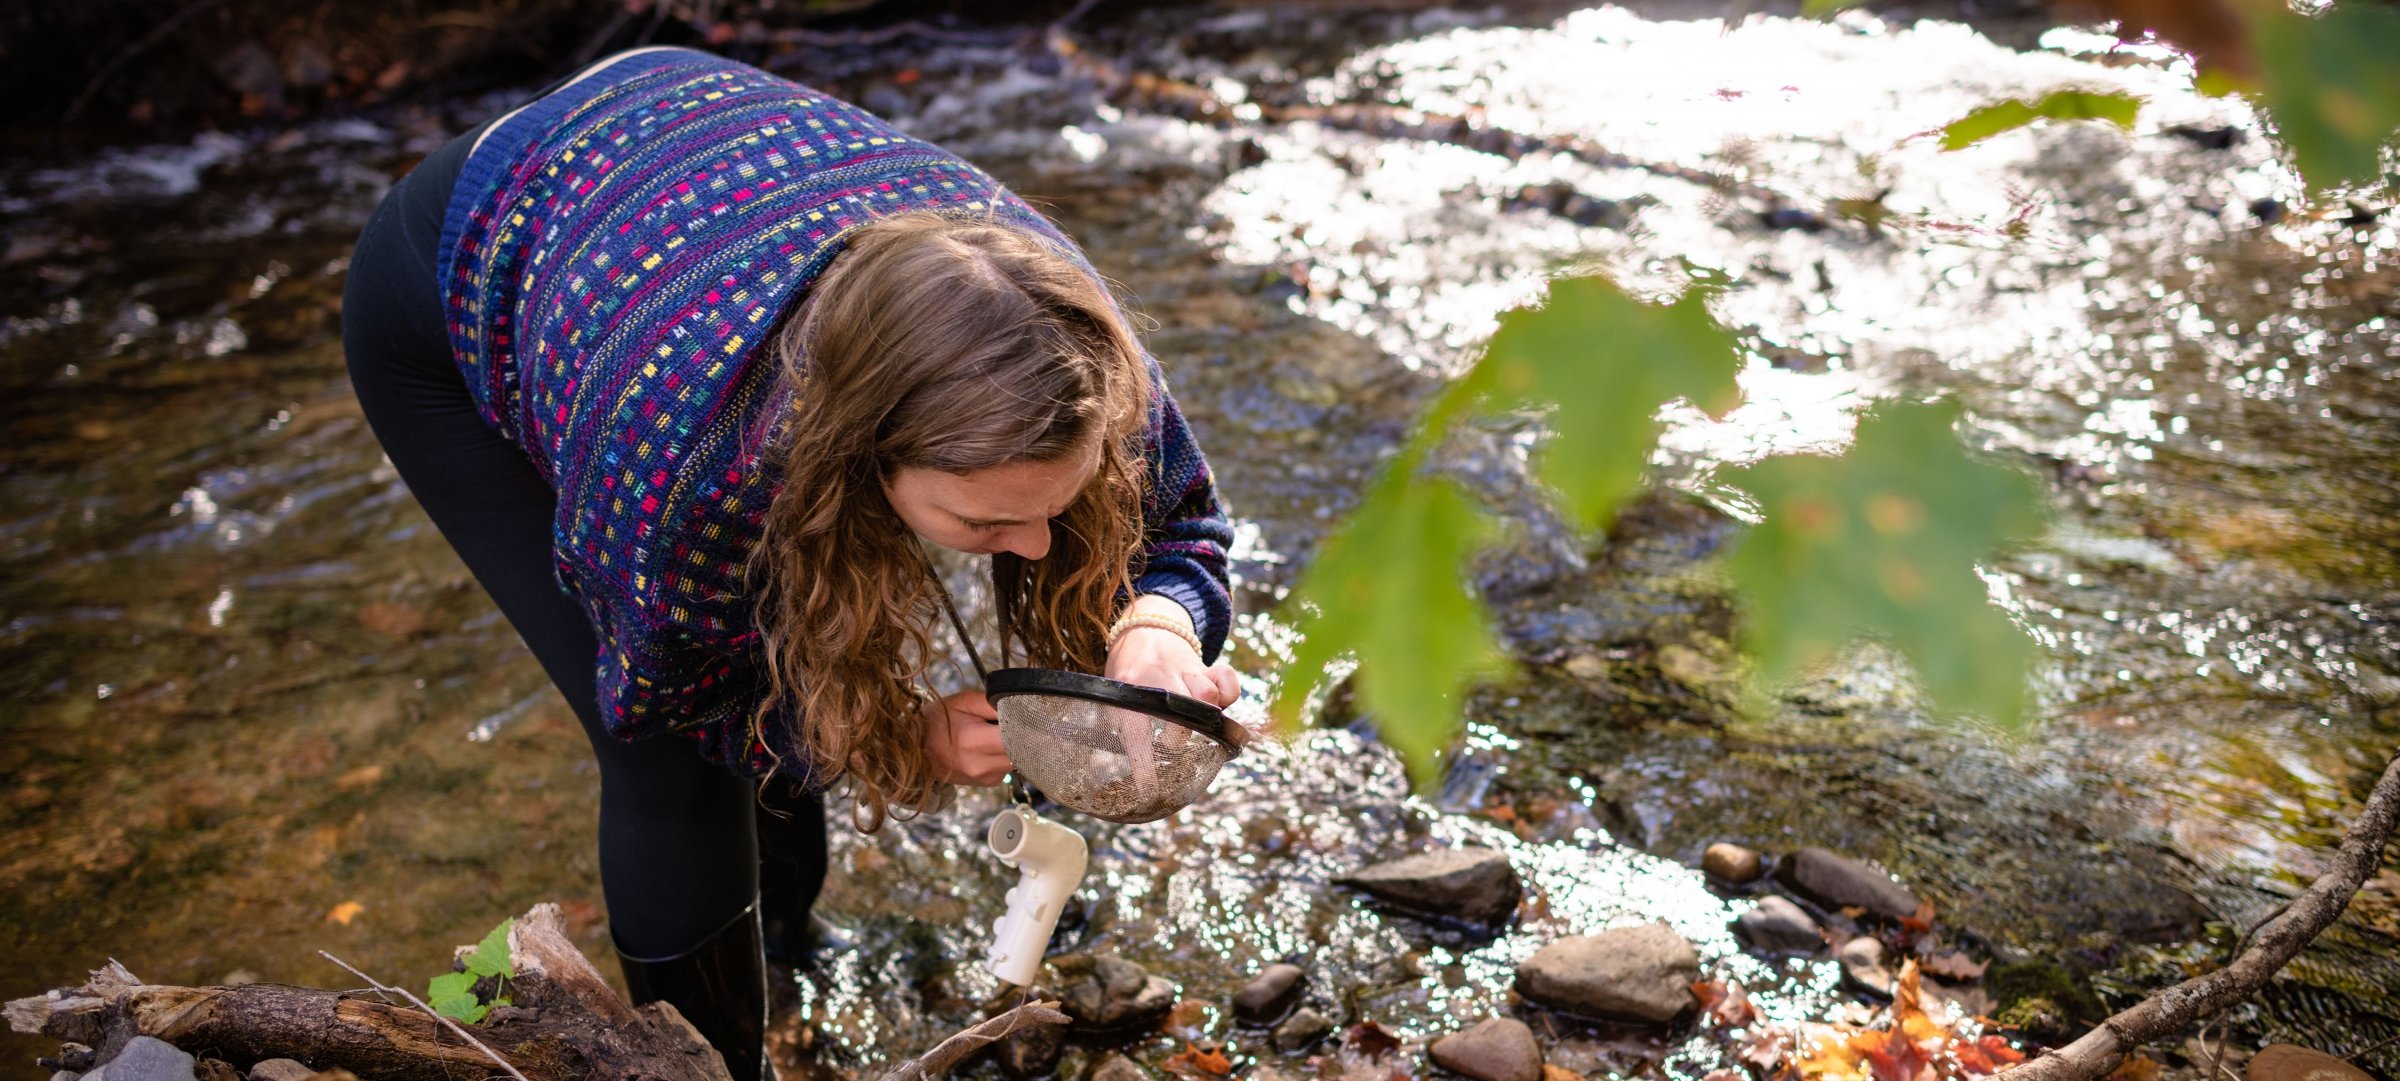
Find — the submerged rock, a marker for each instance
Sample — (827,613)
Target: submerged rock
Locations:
(1838,882)
(1304,1027)
(1779,926)
(1493,1049)
(1106,993)
(1473,884)
(1269,995)
(1032,1051)
(1115,1067)
(1863,963)
(1732,862)
(1642,973)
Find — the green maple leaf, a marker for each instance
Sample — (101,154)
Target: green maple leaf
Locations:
(2333,87)
(491,955)
(1606,362)
(1390,586)
(452,994)
(2000,116)
(1884,540)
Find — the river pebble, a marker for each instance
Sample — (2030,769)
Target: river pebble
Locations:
(1473,884)
(1304,1027)
(1270,995)
(1862,961)
(1115,1067)
(1732,862)
(1779,926)
(1841,882)
(1107,993)
(280,1069)
(146,1058)
(1642,973)
(1493,1049)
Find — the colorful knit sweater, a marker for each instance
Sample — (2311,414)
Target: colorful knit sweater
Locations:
(612,258)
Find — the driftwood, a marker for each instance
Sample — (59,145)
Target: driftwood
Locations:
(2273,946)
(565,1023)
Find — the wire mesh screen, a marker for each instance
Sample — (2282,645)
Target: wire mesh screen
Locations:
(1106,761)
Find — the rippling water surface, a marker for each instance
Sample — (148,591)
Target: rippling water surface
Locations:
(252,684)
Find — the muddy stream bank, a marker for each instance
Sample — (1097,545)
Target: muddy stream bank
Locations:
(260,709)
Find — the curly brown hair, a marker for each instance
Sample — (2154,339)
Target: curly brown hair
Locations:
(936,343)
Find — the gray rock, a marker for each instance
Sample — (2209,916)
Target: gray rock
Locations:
(1838,882)
(1732,862)
(1641,973)
(1494,1049)
(1304,1027)
(147,1058)
(1269,995)
(66,1075)
(280,1069)
(1474,884)
(1107,993)
(1032,1051)
(1863,963)
(1779,926)
(1115,1067)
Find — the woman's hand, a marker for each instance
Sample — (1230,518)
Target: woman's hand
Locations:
(1150,657)
(963,741)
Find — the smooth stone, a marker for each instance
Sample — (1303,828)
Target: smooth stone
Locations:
(1838,882)
(1732,862)
(1862,961)
(1474,884)
(148,1058)
(280,1069)
(1270,995)
(1115,1067)
(1304,1027)
(2291,1062)
(1779,926)
(1643,973)
(1105,993)
(1493,1049)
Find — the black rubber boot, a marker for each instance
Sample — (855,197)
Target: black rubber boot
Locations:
(720,986)
(791,870)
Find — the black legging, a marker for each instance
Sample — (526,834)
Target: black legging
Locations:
(681,840)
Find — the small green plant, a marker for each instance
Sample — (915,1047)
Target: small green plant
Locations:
(452,994)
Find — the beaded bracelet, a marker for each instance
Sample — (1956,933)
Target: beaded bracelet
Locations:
(1131,620)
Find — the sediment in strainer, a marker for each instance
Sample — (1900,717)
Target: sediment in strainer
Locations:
(1110,749)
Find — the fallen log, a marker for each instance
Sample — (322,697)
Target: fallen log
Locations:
(565,1023)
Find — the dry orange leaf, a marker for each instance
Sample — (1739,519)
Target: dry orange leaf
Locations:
(345,912)
(1193,1060)
(1955,966)
(1554,1072)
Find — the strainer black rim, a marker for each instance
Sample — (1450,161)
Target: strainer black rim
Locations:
(1168,706)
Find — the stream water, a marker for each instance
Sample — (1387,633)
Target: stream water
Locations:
(259,708)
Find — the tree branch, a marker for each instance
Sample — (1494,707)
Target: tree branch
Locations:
(2277,942)
(948,1053)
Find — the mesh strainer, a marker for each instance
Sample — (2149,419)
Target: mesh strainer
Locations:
(1110,749)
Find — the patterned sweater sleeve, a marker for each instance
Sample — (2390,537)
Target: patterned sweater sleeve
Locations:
(1185,530)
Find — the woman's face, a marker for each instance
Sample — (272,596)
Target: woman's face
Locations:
(1006,508)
